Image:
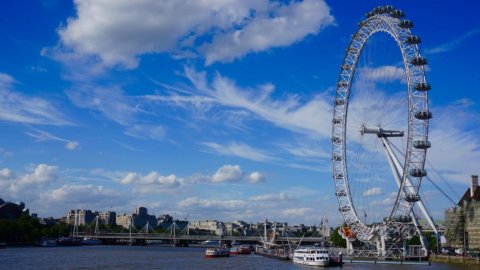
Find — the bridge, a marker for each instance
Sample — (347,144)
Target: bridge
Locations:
(193,238)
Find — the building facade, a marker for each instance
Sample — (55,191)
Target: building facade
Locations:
(139,219)
(462,223)
(80,217)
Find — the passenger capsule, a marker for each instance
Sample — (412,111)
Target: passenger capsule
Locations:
(340,102)
(337,120)
(341,193)
(369,14)
(346,67)
(422,144)
(413,39)
(337,158)
(412,198)
(423,115)
(336,139)
(418,172)
(418,61)
(405,24)
(388,9)
(352,50)
(343,84)
(397,14)
(422,86)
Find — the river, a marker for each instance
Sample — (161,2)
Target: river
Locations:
(157,257)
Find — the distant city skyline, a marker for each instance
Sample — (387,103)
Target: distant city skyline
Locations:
(214,110)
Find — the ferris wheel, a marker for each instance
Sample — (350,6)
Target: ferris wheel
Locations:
(392,136)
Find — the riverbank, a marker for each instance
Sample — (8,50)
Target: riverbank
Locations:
(455,259)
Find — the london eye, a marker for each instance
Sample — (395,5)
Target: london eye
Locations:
(381,136)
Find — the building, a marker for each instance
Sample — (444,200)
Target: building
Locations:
(82,217)
(140,219)
(462,223)
(9,210)
(208,227)
(108,218)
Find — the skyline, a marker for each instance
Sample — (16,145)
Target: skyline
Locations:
(191,108)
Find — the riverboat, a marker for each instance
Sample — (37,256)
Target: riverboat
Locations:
(240,250)
(217,252)
(91,241)
(313,256)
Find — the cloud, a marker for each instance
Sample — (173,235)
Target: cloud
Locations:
(384,74)
(284,24)
(152,182)
(19,108)
(298,212)
(110,101)
(372,192)
(117,33)
(41,136)
(276,197)
(83,194)
(239,150)
(290,113)
(195,202)
(21,184)
(453,44)
(256,177)
(141,131)
(228,173)
(155,182)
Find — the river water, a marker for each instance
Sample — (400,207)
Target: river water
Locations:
(158,257)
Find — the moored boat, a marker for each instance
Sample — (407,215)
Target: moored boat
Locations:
(313,256)
(241,250)
(49,243)
(91,241)
(217,252)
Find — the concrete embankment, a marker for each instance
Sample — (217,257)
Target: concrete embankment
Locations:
(455,259)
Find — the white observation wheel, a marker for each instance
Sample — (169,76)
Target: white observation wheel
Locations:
(409,169)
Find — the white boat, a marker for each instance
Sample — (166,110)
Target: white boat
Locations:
(91,241)
(312,256)
(217,252)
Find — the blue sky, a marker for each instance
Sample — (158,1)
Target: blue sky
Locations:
(214,109)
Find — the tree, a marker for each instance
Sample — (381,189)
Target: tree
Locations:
(337,239)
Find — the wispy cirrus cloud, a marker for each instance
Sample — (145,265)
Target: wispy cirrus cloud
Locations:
(239,150)
(19,108)
(291,113)
(453,44)
(41,136)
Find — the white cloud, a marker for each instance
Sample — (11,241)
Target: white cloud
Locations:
(239,150)
(195,202)
(41,135)
(384,74)
(152,182)
(284,24)
(155,182)
(228,173)
(273,197)
(117,33)
(453,44)
(110,101)
(298,212)
(82,194)
(146,132)
(19,108)
(372,192)
(256,177)
(290,113)
(21,184)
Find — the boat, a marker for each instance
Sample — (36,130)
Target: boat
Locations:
(211,243)
(213,252)
(240,250)
(3,245)
(49,243)
(312,256)
(91,241)
(69,241)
